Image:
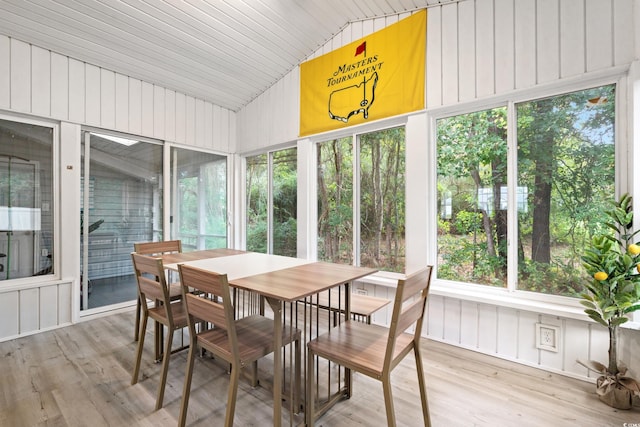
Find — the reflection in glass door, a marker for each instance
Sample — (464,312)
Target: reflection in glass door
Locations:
(121,204)
(19,217)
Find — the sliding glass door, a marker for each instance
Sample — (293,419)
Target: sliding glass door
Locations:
(121,204)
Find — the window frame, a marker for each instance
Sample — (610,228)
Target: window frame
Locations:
(26,282)
(243,191)
(354,133)
(510,295)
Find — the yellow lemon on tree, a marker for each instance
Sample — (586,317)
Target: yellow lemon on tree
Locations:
(600,275)
(638,267)
(634,249)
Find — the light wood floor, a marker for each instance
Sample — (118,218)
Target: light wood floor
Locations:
(81,375)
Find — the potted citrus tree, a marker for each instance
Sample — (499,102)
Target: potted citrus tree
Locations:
(613,261)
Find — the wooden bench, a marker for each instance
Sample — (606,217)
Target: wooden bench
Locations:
(362,306)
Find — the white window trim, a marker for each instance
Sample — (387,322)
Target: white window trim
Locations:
(510,297)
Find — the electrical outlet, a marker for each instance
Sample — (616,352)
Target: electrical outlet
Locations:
(547,337)
(361,291)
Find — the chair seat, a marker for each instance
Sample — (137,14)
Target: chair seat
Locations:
(359,346)
(255,338)
(177,311)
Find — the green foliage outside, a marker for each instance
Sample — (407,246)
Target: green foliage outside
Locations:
(202,193)
(565,178)
(285,202)
(381,205)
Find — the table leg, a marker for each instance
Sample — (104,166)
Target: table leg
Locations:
(276,306)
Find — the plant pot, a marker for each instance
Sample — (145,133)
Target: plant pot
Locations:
(614,394)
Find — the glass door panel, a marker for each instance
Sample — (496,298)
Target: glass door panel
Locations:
(121,205)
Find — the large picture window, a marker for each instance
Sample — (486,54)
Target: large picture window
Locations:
(374,199)
(565,178)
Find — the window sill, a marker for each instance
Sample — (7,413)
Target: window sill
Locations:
(519,300)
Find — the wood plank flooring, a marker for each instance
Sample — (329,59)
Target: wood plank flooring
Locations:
(81,376)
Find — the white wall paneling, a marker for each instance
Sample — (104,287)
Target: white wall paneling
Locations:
(92,101)
(5,72)
(76,91)
(9,307)
(526,336)
(484,49)
(450,58)
(434,57)
(20,76)
(507,332)
(159,119)
(572,38)
(200,123)
(40,81)
(452,321)
(599,34)
(504,46)
(30,308)
(525,43)
(47,85)
(122,101)
(547,40)
(468,324)
(107,99)
(59,86)
(135,106)
(466,49)
(147,109)
(190,122)
(170,115)
(48,307)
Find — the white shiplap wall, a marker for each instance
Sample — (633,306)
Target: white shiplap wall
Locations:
(478,49)
(44,85)
(475,49)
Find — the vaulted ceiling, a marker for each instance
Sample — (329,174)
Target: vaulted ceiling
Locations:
(223,51)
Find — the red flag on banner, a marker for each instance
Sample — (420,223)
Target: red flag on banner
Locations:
(361,48)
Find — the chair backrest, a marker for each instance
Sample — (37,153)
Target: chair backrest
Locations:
(207,297)
(153,248)
(408,308)
(151,281)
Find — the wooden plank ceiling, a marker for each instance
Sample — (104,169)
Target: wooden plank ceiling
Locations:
(223,51)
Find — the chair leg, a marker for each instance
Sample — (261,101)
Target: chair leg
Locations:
(187,384)
(165,368)
(136,369)
(388,400)
(309,409)
(253,376)
(298,375)
(232,395)
(136,333)
(421,384)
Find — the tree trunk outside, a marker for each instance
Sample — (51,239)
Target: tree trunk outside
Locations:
(541,240)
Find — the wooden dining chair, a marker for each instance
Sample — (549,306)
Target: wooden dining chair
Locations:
(375,350)
(152,286)
(238,342)
(157,248)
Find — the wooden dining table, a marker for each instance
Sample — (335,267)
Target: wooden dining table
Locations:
(279,280)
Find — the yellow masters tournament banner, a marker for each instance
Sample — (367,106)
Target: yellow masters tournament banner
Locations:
(378,76)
